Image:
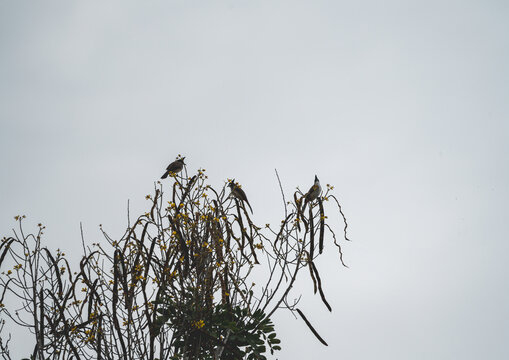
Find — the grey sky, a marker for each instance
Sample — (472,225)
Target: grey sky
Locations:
(402,105)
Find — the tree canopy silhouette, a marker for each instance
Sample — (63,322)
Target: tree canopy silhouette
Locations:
(179,283)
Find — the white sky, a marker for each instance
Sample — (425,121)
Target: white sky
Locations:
(402,105)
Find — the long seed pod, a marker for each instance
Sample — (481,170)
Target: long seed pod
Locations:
(7,246)
(188,188)
(149,257)
(154,205)
(322,295)
(117,259)
(322,225)
(241,225)
(6,287)
(244,237)
(41,322)
(174,192)
(57,271)
(99,339)
(131,232)
(93,293)
(123,278)
(311,234)
(312,328)
(144,232)
(183,247)
(297,205)
(311,272)
(282,228)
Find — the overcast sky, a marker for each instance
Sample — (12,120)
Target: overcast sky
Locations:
(402,105)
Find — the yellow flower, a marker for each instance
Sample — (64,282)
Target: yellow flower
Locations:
(199,324)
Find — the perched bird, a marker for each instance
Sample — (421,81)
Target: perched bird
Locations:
(239,193)
(313,193)
(174,167)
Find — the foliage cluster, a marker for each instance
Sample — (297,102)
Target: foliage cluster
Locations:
(176,285)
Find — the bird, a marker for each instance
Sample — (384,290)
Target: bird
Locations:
(313,192)
(237,192)
(174,167)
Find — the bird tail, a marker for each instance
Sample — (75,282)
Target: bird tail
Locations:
(165,175)
(250,208)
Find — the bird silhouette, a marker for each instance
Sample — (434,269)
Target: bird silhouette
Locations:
(313,193)
(237,192)
(174,167)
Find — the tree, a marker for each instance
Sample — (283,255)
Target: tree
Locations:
(177,285)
